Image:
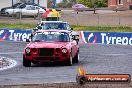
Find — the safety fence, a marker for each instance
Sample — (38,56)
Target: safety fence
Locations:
(120,38)
(107,18)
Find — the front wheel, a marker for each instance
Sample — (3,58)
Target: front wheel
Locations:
(26,63)
(69,62)
(76,58)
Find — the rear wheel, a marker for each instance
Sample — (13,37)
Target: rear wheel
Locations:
(7,14)
(26,63)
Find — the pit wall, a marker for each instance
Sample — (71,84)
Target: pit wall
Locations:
(119,38)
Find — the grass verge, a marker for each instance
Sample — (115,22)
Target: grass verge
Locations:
(102,29)
(20,26)
(76,27)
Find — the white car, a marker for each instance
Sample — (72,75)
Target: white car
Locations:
(29,10)
(56,25)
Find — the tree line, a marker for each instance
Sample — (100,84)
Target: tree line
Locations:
(88,3)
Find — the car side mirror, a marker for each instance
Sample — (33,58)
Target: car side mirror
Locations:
(35,29)
(21,7)
(39,27)
(27,40)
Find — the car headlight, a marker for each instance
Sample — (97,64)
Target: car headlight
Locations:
(64,50)
(27,50)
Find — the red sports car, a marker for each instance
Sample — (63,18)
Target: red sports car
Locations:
(51,46)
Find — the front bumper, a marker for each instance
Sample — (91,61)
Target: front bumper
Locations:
(47,58)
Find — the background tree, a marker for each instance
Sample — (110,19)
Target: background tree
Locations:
(66,3)
(102,3)
(50,4)
(91,3)
(88,3)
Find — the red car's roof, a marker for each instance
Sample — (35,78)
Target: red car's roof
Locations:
(54,31)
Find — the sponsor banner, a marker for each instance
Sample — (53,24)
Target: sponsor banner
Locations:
(106,38)
(14,34)
(85,37)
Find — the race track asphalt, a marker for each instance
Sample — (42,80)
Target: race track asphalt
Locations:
(95,58)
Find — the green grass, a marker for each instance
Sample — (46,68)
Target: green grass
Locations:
(21,26)
(102,29)
(75,27)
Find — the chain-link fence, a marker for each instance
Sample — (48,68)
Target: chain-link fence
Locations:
(109,18)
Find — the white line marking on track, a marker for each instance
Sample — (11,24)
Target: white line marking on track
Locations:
(12,64)
(117,54)
(12,53)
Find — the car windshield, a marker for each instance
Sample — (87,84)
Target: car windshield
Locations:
(15,5)
(58,26)
(50,37)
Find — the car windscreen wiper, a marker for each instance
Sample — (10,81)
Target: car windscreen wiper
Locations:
(61,41)
(37,40)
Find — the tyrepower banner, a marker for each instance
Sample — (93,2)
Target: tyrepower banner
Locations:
(14,34)
(106,38)
(85,37)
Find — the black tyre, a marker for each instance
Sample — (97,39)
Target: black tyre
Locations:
(69,62)
(76,58)
(26,63)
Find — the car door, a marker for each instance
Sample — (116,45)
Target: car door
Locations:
(24,10)
(19,9)
(9,11)
(39,10)
(29,10)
